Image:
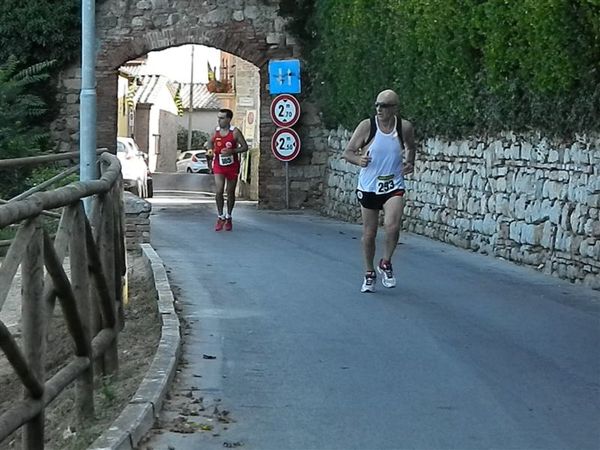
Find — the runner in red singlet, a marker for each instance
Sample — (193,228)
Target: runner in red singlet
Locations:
(227,143)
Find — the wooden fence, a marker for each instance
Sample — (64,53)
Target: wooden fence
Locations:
(90,299)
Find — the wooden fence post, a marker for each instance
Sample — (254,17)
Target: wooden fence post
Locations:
(107,258)
(119,251)
(33,315)
(93,233)
(80,281)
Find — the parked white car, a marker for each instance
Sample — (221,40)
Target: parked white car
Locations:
(193,161)
(134,168)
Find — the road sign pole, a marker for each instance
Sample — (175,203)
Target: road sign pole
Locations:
(287,185)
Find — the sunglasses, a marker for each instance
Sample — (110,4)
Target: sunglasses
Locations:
(384,105)
(221,117)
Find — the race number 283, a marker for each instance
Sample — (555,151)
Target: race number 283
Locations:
(385,184)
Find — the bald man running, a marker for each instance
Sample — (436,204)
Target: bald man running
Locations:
(384,147)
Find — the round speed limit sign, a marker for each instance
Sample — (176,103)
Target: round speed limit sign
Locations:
(285,144)
(285,110)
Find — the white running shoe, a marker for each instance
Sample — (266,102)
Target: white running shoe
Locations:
(369,282)
(387,274)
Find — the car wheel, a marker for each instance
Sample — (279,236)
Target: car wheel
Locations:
(189,170)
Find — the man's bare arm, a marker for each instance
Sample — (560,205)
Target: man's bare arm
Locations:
(408,134)
(356,143)
(241,140)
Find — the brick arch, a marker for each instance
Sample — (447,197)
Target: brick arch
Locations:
(117,52)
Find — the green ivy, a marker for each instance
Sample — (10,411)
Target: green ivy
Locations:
(460,66)
(20,110)
(40,30)
(199,138)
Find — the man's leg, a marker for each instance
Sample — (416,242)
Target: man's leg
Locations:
(219,188)
(370,218)
(231,184)
(393,217)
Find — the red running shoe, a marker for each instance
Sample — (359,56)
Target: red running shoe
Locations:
(219,225)
(228,224)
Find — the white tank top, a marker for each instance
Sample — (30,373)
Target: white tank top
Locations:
(384,172)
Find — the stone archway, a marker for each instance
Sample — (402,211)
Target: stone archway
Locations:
(127,29)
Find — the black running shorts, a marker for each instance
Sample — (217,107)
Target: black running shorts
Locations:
(371,200)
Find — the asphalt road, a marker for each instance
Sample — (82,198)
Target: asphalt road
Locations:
(468,352)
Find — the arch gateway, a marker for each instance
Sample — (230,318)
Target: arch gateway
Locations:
(250,29)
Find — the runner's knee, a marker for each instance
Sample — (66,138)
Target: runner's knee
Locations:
(369,234)
(392,227)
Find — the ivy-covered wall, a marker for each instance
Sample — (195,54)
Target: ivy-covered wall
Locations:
(39,30)
(460,66)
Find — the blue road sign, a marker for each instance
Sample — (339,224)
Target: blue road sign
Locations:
(284,76)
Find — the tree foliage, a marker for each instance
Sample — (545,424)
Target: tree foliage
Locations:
(460,66)
(40,30)
(199,138)
(20,134)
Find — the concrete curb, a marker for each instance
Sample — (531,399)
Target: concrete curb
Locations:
(138,416)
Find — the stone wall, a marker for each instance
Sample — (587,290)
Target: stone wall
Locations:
(137,222)
(524,198)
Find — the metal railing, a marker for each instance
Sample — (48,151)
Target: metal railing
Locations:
(91,298)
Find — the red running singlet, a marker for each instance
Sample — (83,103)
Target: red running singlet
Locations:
(228,165)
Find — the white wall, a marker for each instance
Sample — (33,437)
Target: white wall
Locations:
(201,120)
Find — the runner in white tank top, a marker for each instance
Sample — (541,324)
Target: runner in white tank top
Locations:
(381,181)
(384,172)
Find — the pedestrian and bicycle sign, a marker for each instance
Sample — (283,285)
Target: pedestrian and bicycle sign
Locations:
(285,110)
(285,144)
(284,76)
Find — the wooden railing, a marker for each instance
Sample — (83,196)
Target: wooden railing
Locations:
(90,299)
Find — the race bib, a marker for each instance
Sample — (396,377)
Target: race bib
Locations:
(385,184)
(225,160)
